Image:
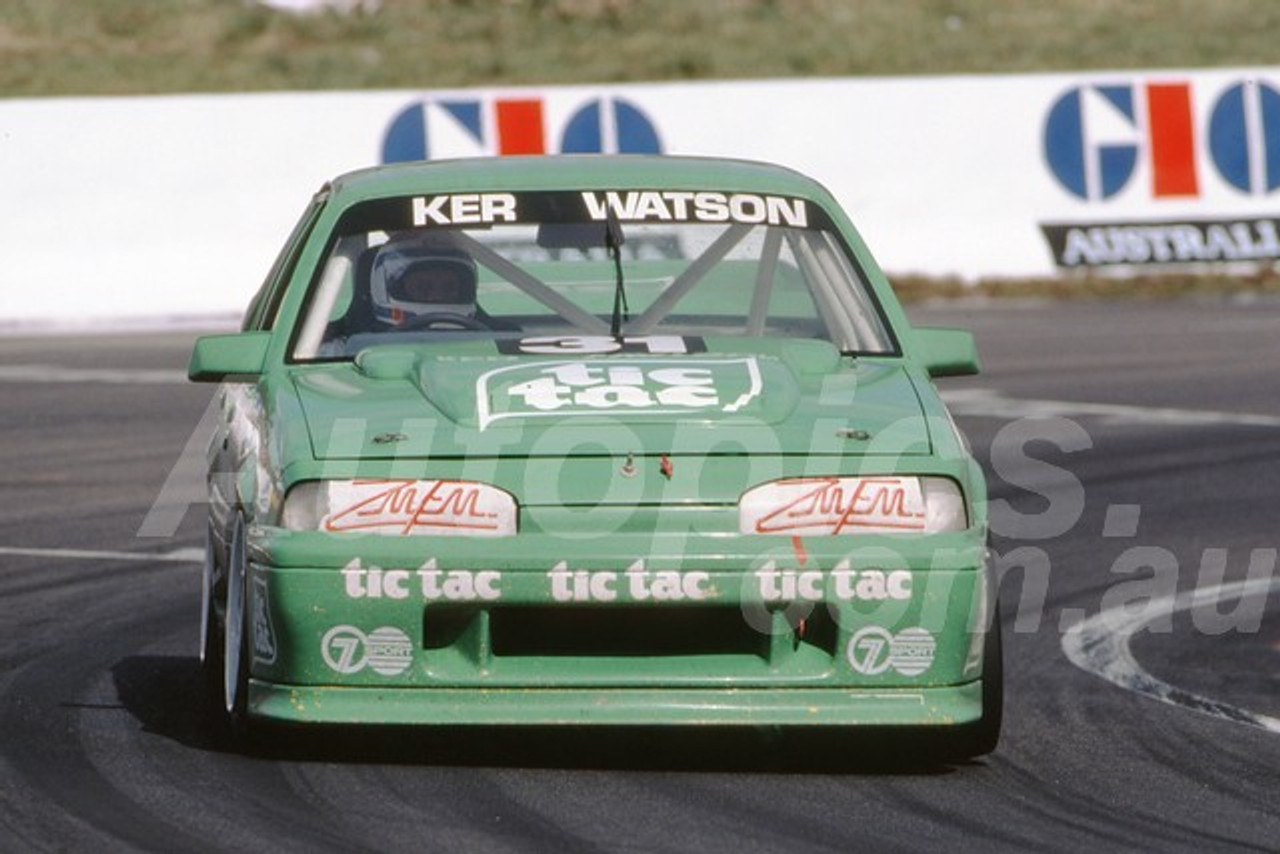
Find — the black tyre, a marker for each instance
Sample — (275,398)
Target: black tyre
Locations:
(235,658)
(210,624)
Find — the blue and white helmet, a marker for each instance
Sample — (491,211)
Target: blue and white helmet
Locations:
(410,279)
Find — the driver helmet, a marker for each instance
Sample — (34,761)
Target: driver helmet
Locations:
(412,279)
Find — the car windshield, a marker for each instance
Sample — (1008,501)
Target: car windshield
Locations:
(569,266)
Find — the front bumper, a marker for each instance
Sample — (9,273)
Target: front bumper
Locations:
(945,706)
(629,629)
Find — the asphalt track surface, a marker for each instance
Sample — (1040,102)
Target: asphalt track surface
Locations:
(1133,453)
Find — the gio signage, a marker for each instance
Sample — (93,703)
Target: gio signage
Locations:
(1096,135)
(473,127)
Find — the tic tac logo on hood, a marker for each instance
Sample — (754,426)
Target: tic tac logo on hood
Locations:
(470,127)
(634,387)
(1097,136)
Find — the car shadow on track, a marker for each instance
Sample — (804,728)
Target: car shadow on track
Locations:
(169,697)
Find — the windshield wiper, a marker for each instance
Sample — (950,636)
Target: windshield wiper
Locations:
(613,240)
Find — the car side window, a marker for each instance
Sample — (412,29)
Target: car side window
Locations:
(262,310)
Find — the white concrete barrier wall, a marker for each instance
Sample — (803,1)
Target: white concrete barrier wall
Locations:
(168,206)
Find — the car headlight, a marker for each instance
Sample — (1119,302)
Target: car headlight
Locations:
(825,506)
(401,507)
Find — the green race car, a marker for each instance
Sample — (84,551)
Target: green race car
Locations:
(592,440)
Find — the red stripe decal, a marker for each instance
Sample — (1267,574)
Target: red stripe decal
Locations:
(1173,155)
(519,127)
(802,556)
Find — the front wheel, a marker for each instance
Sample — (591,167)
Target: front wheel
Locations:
(235,663)
(210,638)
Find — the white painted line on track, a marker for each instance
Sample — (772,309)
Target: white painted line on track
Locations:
(187,555)
(61,374)
(992,404)
(1100,645)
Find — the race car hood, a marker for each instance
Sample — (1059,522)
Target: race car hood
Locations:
(467,401)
